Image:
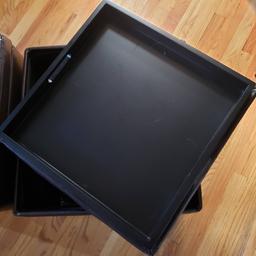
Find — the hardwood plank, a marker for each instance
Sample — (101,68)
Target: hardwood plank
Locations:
(63,26)
(175,15)
(237,222)
(222,27)
(25,22)
(11,13)
(194,22)
(234,56)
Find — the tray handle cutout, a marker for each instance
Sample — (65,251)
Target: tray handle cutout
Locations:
(61,66)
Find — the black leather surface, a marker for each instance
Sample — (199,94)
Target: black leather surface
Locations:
(10,95)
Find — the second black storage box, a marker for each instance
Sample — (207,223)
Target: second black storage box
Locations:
(34,196)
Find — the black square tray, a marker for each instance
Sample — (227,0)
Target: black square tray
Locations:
(127,121)
(34,196)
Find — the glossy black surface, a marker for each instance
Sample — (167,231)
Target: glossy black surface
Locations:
(124,122)
(129,123)
(196,202)
(37,60)
(35,196)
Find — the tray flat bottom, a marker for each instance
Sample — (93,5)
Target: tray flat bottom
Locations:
(126,123)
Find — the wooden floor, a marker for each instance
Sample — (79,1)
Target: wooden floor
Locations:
(225,30)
